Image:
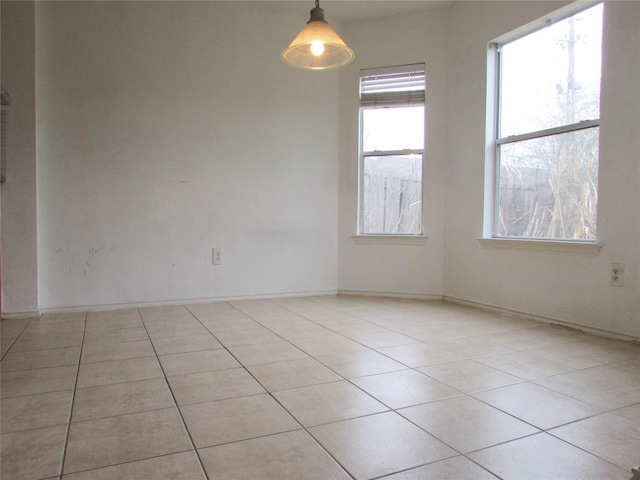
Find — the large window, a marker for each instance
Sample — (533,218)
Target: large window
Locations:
(391,150)
(548,109)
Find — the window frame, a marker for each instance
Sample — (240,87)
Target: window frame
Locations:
(495,142)
(377,103)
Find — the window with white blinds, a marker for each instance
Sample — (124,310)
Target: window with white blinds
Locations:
(392,86)
(392,119)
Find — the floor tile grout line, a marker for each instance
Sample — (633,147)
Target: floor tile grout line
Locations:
(329,454)
(73,399)
(4,354)
(175,401)
(100,467)
(533,383)
(122,415)
(495,474)
(388,475)
(53,348)
(627,467)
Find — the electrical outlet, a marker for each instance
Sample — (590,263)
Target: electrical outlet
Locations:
(216,255)
(616,274)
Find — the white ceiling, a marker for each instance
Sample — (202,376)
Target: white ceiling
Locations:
(350,10)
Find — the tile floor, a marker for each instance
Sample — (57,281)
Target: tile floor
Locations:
(314,388)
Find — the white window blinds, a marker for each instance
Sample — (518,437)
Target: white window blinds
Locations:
(392,86)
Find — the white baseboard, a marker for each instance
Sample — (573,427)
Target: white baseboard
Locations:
(363,293)
(20,315)
(541,318)
(189,301)
(369,293)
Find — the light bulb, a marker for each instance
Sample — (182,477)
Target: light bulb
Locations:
(317,48)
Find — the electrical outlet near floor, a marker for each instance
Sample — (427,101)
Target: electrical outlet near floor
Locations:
(616,274)
(216,255)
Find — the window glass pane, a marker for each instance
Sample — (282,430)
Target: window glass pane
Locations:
(392,194)
(392,128)
(548,187)
(552,77)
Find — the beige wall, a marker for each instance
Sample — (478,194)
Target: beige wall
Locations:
(166,129)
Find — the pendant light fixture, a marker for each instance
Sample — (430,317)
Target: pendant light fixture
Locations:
(317,46)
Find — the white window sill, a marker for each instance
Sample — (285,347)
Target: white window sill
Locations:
(390,239)
(552,246)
